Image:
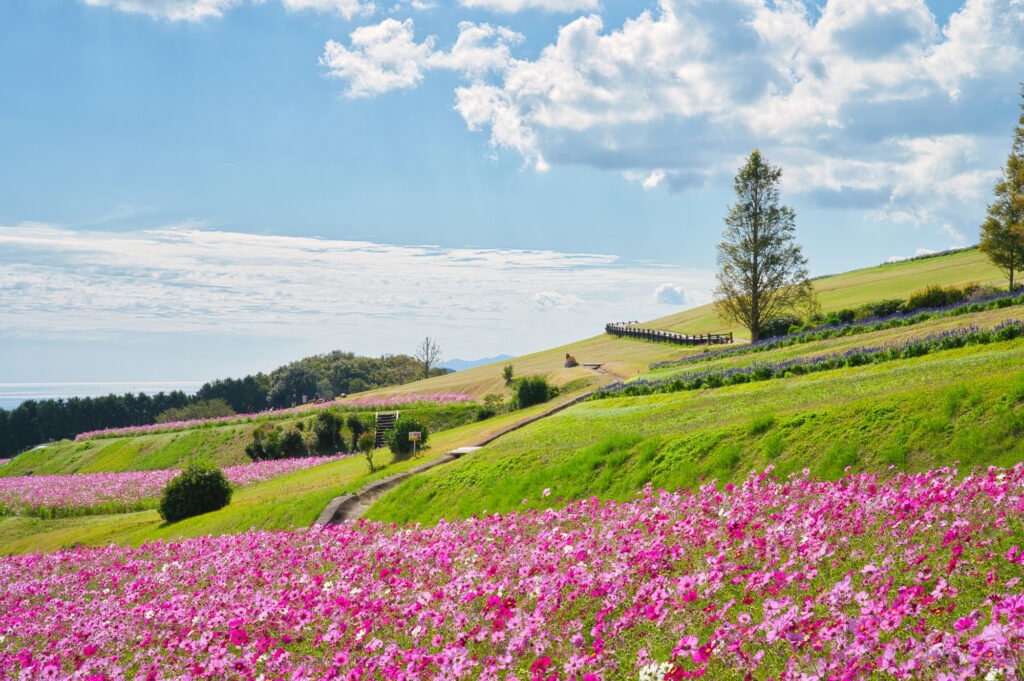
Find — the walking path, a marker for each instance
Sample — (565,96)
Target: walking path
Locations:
(352,506)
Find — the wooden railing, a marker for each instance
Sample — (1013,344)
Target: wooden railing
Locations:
(620,329)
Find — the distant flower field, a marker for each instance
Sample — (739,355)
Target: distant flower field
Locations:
(916,577)
(91,493)
(407,401)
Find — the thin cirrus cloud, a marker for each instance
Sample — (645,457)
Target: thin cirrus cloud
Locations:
(867,106)
(200,10)
(510,6)
(185,279)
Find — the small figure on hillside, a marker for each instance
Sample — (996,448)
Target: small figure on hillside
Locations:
(570,361)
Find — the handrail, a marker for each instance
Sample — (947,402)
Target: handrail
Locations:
(620,329)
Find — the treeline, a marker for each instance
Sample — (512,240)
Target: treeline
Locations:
(318,377)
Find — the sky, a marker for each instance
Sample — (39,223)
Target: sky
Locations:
(192,189)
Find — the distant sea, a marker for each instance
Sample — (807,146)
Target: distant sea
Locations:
(13,394)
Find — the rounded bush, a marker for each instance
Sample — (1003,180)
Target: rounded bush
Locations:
(195,491)
(398,439)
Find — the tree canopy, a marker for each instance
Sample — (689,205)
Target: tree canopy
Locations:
(1002,233)
(761,269)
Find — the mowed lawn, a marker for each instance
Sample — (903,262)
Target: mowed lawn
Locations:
(960,405)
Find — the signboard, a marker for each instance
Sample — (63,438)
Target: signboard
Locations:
(415,435)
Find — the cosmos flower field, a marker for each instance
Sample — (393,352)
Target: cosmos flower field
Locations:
(913,577)
(91,493)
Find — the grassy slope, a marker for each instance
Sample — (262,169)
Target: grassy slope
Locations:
(292,500)
(893,280)
(955,405)
(987,319)
(625,358)
(220,446)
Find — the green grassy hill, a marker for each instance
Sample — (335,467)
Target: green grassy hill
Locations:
(626,358)
(958,405)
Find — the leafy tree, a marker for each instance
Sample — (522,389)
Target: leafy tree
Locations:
(366,444)
(507,372)
(761,269)
(428,353)
(1002,233)
(327,426)
(203,409)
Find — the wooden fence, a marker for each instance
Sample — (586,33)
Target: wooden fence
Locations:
(620,329)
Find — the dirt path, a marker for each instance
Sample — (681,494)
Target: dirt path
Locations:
(352,506)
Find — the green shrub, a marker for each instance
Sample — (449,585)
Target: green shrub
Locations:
(327,426)
(507,373)
(204,409)
(484,413)
(195,491)
(532,390)
(398,439)
(934,296)
(779,326)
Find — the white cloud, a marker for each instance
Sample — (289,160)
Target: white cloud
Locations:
(895,108)
(198,10)
(556,300)
(520,5)
(672,294)
(57,282)
(919,252)
(172,10)
(386,56)
(346,8)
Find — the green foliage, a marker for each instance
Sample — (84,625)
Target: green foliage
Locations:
(398,439)
(276,443)
(507,373)
(779,326)
(357,426)
(328,426)
(761,269)
(1002,233)
(934,296)
(761,424)
(203,409)
(195,491)
(531,391)
(773,446)
(366,444)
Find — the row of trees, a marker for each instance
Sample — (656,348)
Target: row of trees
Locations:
(762,272)
(319,376)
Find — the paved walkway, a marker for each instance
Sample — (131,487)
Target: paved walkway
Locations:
(352,506)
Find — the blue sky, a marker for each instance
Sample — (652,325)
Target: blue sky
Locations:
(201,188)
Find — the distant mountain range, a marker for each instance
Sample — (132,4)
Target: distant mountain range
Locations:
(463,364)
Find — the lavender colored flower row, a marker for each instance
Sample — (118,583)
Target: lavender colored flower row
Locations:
(714,378)
(917,577)
(171,426)
(90,493)
(851,328)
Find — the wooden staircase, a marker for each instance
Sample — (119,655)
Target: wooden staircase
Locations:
(385,422)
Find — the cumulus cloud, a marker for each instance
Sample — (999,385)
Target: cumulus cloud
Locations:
(866,105)
(56,282)
(386,56)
